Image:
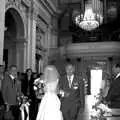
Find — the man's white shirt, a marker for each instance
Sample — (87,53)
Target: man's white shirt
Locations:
(117,75)
(12,77)
(70,78)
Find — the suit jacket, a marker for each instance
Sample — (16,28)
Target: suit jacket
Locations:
(1,99)
(11,89)
(114,94)
(76,92)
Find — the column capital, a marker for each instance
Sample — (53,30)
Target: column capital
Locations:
(33,13)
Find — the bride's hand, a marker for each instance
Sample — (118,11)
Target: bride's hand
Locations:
(64,94)
(61,92)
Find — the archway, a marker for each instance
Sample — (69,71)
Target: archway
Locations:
(14,39)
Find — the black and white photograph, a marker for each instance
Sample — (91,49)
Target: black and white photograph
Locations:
(59,59)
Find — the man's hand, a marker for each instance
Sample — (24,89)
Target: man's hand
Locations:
(63,93)
(7,107)
(66,94)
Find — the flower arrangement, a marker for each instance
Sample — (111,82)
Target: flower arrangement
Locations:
(100,109)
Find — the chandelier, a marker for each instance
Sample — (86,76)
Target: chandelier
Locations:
(90,20)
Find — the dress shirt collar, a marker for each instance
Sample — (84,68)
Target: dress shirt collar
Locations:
(117,75)
(12,77)
(71,78)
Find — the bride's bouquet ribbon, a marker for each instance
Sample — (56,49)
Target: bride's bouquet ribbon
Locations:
(25,111)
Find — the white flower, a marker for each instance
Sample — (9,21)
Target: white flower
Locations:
(35,88)
(36,80)
(104,107)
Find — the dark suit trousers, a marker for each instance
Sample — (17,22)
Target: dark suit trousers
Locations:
(70,110)
(16,112)
(13,113)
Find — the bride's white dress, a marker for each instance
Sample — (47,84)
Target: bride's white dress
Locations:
(49,108)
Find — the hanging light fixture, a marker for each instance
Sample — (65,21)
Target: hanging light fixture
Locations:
(92,17)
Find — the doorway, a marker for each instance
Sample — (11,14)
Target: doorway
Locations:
(96,81)
(95,85)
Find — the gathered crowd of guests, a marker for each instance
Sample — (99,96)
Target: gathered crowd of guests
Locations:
(14,85)
(63,95)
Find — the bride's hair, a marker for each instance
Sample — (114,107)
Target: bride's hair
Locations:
(51,78)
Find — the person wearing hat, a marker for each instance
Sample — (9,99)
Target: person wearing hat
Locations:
(49,108)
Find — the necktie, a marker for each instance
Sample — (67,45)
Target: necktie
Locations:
(69,80)
(13,82)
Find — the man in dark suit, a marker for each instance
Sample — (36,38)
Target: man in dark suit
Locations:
(11,90)
(1,96)
(72,92)
(113,96)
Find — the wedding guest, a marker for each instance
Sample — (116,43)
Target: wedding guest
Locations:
(1,95)
(72,91)
(113,96)
(49,108)
(35,75)
(27,83)
(27,89)
(105,84)
(11,90)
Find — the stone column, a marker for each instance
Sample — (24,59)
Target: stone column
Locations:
(21,54)
(48,37)
(28,51)
(47,44)
(33,39)
(2,28)
(55,39)
(31,42)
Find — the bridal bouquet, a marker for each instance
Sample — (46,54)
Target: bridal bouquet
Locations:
(39,87)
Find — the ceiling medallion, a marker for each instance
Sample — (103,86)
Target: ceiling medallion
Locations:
(89,20)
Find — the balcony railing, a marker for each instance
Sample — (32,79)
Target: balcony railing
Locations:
(88,49)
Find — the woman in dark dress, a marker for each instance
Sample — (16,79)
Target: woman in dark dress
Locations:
(27,89)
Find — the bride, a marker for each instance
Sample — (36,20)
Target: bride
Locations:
(49,108)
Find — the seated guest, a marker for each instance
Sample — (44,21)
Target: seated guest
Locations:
(49,108)
(113,96)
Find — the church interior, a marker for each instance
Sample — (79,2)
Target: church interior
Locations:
(86,33)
